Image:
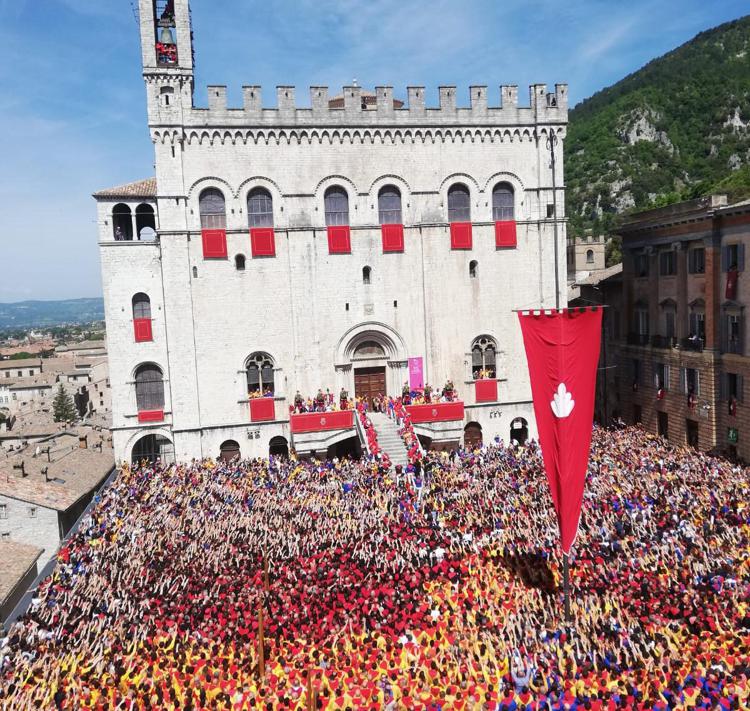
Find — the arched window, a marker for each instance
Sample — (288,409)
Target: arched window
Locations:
(260,208)
(166,93)
(459,203)
(473,269)
(239,262)
(195,272)
(149,388)
(389,205)
(141,306)
(502,202)
(145,223)
(212,209)
(589,256)
(337,206)
(259,368)
(483,357)
(122,223)
(366,273)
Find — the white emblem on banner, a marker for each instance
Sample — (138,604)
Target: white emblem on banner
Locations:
(563,402)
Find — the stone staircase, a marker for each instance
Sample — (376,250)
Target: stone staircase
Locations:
(389,439)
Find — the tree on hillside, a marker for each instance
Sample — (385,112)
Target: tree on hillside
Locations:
(62,406)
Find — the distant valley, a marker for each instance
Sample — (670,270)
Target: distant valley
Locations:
(38,314)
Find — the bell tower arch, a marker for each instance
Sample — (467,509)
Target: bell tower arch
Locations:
(167,56)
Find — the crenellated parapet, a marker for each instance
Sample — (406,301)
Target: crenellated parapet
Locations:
(360,109)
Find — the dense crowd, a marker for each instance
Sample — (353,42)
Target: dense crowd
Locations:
(336,585)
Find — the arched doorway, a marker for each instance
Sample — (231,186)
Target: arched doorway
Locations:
(473,435)
(371,360)
(347,448)
(229,450)
(278,447)
(152,447)
(519,430)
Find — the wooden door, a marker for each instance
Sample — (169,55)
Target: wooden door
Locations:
(369,382)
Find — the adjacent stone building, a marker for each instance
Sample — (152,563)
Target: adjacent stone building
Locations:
(294,248)
(683,357)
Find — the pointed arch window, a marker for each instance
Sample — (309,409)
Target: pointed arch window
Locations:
(484,358)
(259,369)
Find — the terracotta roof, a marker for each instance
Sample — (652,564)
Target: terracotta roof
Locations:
(20,363)
(73,472)
(600,275)
(17,559)
(35,382)
(139,189)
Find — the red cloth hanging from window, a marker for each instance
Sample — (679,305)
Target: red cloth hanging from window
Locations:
(262,409)
(142,330)
(339,240)
(562,349)
(485,390)
(151,416)
(214,244)
(505,234)
(262,242)
(393,238)
(461,237)
(731,290)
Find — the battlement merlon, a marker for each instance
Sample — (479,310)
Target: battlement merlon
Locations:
(544,108)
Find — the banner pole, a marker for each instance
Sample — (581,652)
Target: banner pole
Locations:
(551,141)
(566,586)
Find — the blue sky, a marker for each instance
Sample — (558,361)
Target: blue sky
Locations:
(72,104)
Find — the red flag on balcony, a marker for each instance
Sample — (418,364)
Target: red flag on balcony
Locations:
(562,349)
(731,290)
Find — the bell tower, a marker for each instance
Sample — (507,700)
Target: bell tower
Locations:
(167,53)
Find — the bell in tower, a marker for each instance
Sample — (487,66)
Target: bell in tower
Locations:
(166,46)
(166,36)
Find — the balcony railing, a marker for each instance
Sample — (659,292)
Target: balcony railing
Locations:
(663,341)
(692,344)
(638,339)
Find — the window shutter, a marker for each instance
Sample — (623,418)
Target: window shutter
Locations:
(741,257)
(724,387)
(683,380)
(697,383)
(740,388)
(724,259)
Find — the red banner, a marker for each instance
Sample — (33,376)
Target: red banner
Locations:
(262,409)
(731,290)
(562,349)
(322,421)
(485,390)
(437,412)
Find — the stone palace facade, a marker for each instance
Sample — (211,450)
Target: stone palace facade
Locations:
(294,248)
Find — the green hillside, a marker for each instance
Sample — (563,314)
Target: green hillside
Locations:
(675,129)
